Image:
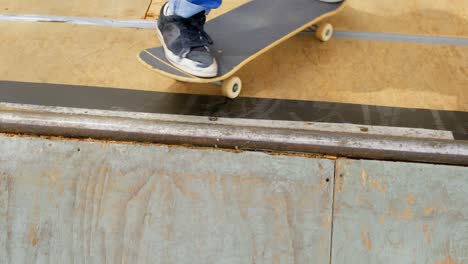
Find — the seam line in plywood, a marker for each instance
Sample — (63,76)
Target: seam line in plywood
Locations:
(151,24)
(335,171)
(408,38)
(106,22)
(147,9)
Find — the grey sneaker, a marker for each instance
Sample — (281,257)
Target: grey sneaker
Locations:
(186,43)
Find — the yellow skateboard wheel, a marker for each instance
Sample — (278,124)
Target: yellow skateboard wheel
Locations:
(231,87)
(324,32)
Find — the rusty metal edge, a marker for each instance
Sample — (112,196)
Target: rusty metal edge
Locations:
(343,144)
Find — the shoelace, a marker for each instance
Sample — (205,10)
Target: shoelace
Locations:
(196,24)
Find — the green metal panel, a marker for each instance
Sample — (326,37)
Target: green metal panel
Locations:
(390,212)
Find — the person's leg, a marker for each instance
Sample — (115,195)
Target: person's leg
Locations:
(188,8)
(181,31)
(331,1)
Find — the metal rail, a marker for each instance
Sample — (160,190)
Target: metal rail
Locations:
(171,130)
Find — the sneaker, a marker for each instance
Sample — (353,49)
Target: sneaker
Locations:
(186,43)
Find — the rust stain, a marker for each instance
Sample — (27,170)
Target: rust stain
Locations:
(364,178)
(326,222)
(61,189)
(104,144)
(280,209)
(392,213)
(426,232)
(366,241)
(53,176)
(382,219)
(428,211)
(382,188)
(212,180)
(113,185)
(180,184)
(32,236)
(168,195)
(447,260)
(406,215)
(410,199)
(276,258)
(168,232)
(339,183)
(373,184)
(120,174)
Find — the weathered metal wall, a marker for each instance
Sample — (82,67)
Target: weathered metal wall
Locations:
(90,202)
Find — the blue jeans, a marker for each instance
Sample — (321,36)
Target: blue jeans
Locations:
(188,8)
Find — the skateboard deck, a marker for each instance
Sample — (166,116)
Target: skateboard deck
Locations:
(243,34)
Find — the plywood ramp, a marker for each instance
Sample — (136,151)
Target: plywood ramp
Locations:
(97,202)
(387,212)
(349,71)
(423,17)
(448,18)
(89,8)
(67,201)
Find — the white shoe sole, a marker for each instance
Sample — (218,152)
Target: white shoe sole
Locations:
(188,65)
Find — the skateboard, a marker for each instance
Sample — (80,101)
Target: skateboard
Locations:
(243,34)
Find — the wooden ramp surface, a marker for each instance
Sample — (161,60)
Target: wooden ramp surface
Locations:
(343,70)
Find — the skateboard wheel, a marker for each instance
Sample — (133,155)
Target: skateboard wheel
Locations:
(232,87)
(324,32)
